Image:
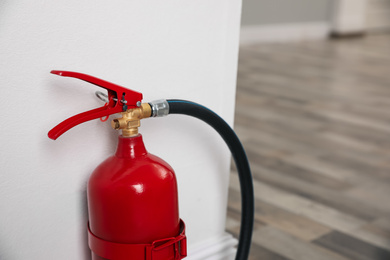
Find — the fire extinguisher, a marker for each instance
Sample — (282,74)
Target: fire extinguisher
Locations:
(132,195)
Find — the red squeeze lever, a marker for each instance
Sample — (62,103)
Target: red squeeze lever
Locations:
(119,100)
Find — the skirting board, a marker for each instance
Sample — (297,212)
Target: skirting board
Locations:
(222,247)
(284,32)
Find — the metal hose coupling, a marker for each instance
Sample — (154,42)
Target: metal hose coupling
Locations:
(159,108)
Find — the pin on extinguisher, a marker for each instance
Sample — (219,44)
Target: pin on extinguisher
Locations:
(132,195)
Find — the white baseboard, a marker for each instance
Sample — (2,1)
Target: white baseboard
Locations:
(222,247)
(284,32)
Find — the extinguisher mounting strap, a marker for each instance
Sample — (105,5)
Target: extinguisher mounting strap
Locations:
(172,248)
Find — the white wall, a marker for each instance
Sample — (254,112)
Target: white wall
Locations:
(349,17)
(284,21)
(165,49)
(265,12)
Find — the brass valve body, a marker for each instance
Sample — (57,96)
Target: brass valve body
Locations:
(130,120)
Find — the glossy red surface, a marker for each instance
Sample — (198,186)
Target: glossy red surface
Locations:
(132,196)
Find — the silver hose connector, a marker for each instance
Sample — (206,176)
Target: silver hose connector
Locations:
(159,108)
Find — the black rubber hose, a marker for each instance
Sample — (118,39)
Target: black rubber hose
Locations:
(244,173)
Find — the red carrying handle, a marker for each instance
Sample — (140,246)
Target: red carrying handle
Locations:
(119,100)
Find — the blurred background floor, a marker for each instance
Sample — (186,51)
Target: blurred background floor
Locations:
(314,118)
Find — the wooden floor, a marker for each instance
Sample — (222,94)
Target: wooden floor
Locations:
(314,119)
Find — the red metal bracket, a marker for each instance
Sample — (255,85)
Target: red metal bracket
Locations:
(119,100)
(179,249)
(173,248)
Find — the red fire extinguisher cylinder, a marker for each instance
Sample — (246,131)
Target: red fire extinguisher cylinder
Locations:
(132,199)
